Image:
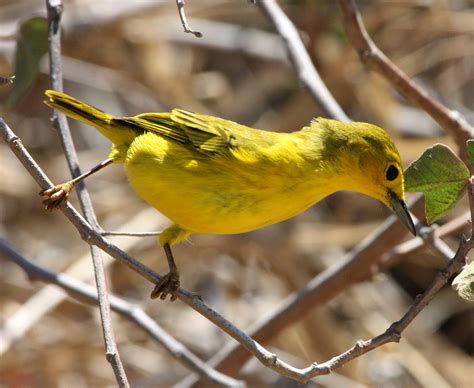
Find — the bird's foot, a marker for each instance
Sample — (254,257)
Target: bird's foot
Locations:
(56,195)
(169,284)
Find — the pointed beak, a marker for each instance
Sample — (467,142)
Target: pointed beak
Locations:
(401,210)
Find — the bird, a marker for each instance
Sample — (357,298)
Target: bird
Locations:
(212,175)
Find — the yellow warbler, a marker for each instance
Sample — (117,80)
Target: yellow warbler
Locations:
(210,175)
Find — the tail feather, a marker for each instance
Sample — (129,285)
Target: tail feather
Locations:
(90,115)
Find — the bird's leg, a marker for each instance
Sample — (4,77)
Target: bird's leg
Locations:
(59,193)
(169,283)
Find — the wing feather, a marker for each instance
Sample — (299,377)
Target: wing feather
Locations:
(206,134)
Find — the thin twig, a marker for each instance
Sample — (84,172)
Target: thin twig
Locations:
(452,121)
(184,21)
(84,292)
(355,266)
(31,312)
(392,334)
(304,67)
(129,234)
(54,12)
(407,248)
(429,237)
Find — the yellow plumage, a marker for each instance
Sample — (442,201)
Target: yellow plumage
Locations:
(210,175)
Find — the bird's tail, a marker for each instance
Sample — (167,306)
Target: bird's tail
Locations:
(79,110)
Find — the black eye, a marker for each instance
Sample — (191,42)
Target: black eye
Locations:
(392,173)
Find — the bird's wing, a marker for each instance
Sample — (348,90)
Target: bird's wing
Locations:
(207,134)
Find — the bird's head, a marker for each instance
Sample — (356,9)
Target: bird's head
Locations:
(369,162)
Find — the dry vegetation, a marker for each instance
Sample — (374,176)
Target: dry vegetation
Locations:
(128,59)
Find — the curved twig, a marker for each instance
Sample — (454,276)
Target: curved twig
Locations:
(184,20)
(452,121)
(84,292)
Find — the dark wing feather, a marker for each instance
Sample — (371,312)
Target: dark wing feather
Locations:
(207,134)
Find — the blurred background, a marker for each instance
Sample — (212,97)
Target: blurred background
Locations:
(128,57)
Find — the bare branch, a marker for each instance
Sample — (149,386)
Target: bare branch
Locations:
(406,248)
(46,299)
(370,54)
(84,292)
(301,61)
(129,234)
(354,267)
(392,334)
(184,21)
(92,237)
(54,11)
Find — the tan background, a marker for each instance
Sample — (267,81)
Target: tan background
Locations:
(129,58)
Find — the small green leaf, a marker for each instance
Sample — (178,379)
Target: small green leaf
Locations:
(464,282)
(441,176)
(31,45)
(470,151)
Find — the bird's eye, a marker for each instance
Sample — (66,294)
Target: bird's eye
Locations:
(392,173)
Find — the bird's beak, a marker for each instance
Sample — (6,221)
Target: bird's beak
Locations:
(401,210)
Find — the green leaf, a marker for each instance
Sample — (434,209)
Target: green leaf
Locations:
(464,282)
(32,44)
(441,176)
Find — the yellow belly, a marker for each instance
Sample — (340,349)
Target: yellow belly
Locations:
(210,195)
